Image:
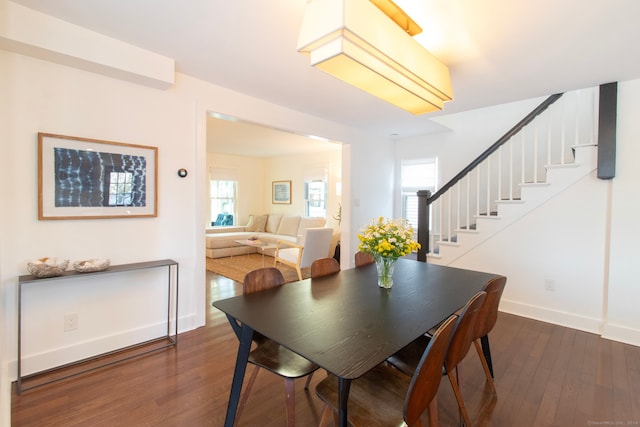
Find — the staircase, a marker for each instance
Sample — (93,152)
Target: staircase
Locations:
(539,158)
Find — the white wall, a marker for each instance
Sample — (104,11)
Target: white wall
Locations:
(41,96)
(583,239)
(622,321)
(46,97)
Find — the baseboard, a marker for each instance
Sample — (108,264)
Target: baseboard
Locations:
(57,357)
(561,318)
(621,334)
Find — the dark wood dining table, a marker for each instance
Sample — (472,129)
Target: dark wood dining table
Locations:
(345,323)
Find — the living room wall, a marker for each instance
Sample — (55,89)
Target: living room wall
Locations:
(251,174)
(256,174)
(294,168)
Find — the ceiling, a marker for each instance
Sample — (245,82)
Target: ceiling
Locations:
(498,51)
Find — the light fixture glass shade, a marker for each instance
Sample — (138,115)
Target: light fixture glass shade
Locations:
(356,42)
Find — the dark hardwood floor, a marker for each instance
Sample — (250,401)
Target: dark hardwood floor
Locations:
(545,375)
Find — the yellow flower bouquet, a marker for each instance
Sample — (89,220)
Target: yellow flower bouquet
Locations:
(387,240)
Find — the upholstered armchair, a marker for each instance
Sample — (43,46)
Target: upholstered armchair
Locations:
(314,244)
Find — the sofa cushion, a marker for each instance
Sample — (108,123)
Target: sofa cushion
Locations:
(257,223)
(273,223)
(289,225)
(310,222)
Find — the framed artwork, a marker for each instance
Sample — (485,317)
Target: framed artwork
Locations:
(80,178)
(281,192)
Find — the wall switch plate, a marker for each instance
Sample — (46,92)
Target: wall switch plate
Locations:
(70,322)
(549,285)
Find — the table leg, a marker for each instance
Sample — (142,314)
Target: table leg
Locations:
(343,397)
(246,334)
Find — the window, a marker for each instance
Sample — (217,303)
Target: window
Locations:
(416,175)
(120,188)
(315,198)
(315,192)
(223,201)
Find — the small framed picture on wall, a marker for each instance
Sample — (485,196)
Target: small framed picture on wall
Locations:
(281,192)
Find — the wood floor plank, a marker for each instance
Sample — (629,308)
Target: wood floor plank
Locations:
(545,375)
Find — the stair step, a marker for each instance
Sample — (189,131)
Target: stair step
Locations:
(534,184)
(510,201)
(464,230)
(563,166)
(492,215)
(471,227)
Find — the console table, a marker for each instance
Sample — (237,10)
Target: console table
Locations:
(167,340)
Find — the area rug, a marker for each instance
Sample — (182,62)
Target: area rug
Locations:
(236,267)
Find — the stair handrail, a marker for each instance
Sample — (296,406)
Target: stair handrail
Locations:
(494,147)
(425,198)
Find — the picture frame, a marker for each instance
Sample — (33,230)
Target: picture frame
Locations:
(83,178)
(281,192)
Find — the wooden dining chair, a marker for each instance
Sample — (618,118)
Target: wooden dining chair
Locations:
(406,361)
(324,267)
(485,322)
(269,355)
(385,397)
(363,258)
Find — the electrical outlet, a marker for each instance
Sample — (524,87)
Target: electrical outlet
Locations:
(549,285)
(70,322)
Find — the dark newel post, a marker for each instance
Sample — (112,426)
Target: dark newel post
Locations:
(607,130)
(423,224)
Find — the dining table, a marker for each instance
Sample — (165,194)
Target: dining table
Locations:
(345,322)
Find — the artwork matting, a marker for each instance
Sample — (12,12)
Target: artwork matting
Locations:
(81,178)
(281,192)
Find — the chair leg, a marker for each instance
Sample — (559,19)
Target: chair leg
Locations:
(306,384)
(486,350)
(289,388)
(456,390)
(485,366)
(432,411)
(245,395)
(326,416)
(299,272)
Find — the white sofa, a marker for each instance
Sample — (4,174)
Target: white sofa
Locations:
(270,228)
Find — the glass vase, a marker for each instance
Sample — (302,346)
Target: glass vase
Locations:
(385,266)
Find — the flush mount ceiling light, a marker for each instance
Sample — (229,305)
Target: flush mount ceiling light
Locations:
(368,44)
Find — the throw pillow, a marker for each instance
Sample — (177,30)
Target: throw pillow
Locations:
(257,223)
(273,223)
(289,225)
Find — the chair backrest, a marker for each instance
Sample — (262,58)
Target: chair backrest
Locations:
(363,258)
(426,379)
(324,267)
(262,279)
(488,314)
(316,242)
(463,335)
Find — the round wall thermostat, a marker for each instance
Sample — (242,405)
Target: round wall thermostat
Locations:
(182,172)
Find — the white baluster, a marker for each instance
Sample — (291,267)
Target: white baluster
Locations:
(488,186)
(500,173)
(535,153)
(458,207)
(511,178)
(468,177)
(522,156)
